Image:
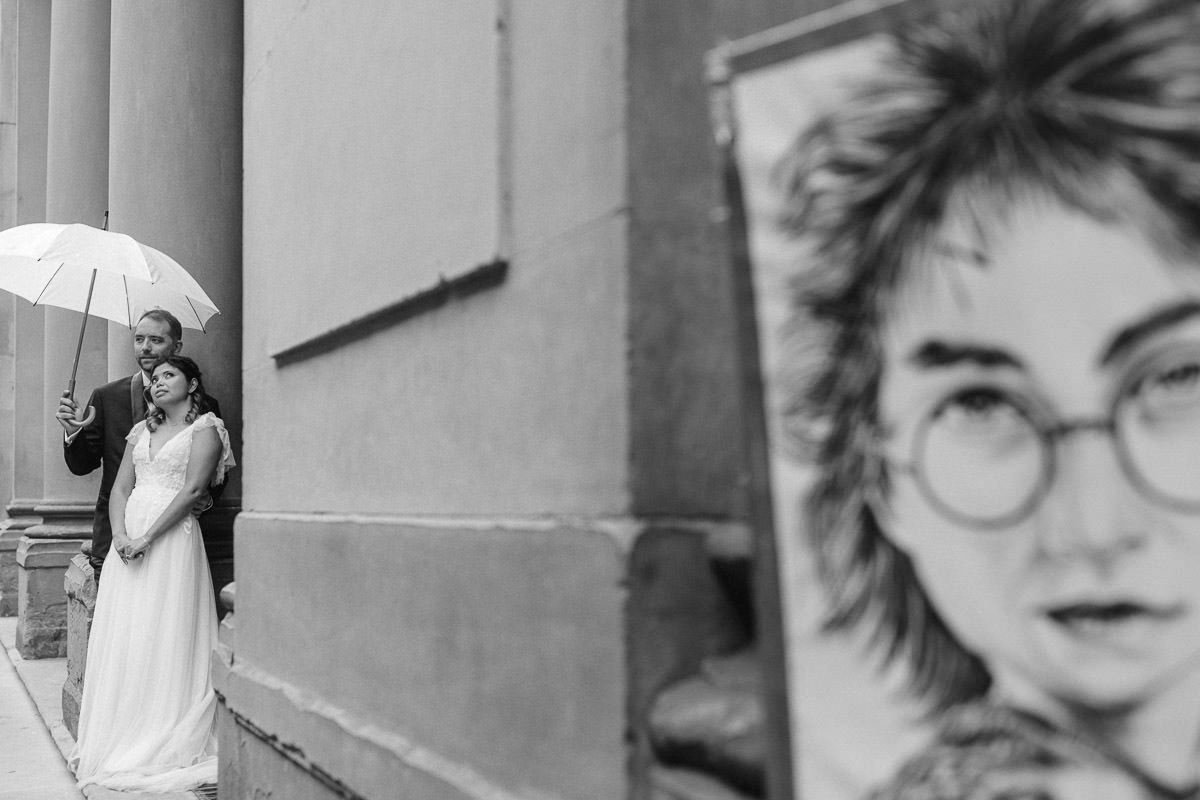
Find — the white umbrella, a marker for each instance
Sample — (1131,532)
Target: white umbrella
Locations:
(97,272)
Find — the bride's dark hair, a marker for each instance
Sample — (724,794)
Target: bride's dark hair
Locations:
(155,416)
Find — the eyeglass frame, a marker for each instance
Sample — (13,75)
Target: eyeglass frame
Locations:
(1049,435)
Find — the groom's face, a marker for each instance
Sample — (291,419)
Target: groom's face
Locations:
(152,343)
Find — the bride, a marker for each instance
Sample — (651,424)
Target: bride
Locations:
(148,708)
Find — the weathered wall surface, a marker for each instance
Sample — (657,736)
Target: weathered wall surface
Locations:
(484,657)
(508,402)
(427,549)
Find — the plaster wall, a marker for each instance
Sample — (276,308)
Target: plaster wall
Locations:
(391,109)
(423,551)
(256,756)
(510,401)
(684,376)
(492,647)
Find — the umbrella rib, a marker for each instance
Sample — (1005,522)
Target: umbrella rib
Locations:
(199,321)
(128,304)
(48,282)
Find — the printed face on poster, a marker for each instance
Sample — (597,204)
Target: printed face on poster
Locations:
(977,292)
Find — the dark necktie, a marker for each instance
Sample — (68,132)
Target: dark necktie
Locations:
(137,398)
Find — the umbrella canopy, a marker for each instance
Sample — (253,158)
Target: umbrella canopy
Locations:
(97,272)
(54,264)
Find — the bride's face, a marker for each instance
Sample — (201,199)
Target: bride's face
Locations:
(168,385)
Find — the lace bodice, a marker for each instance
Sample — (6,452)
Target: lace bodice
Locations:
(167,469)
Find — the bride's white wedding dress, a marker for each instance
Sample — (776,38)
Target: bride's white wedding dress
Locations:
(147,715)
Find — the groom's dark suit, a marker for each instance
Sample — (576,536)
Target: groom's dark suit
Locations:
(102,443)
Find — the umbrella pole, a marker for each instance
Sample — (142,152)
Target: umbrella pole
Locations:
(83,325)
(79,349)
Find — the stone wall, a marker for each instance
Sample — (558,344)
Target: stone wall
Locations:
(80,586)
(42,600)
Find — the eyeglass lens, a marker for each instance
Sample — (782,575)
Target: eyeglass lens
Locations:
(1160,428)
(981,457)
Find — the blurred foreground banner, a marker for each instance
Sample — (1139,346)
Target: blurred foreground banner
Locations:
(970,230)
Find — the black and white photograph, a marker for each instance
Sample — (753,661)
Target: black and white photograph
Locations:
(599,400)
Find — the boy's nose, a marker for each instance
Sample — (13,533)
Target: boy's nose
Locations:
(1091,510)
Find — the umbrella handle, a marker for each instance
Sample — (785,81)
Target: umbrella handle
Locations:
(86,419)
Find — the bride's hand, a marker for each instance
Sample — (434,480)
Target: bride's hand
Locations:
(137,548)
(120,543)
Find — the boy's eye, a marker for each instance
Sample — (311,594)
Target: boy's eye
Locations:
(977,407)
(1179,378)
(980,417)
(1171,390)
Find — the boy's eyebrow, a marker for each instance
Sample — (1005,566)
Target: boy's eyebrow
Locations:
(937,354)
(1150,325)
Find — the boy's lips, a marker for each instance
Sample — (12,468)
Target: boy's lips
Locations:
(1111,620)
(1115,611)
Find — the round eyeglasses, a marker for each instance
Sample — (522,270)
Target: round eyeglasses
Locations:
(986,457)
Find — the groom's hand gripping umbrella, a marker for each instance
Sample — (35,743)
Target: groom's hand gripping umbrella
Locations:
(97,272)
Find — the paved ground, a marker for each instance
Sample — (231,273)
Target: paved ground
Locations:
(36,742)
(31,765)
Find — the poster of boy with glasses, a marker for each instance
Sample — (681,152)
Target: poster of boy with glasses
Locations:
(994,369)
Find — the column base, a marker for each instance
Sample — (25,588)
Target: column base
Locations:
(43,555)
(21,517)
(80,585)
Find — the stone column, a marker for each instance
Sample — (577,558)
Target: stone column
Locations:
(76,191)
(24,93)
(176,178)
(29,415)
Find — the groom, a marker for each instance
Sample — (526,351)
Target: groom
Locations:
(118,406)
